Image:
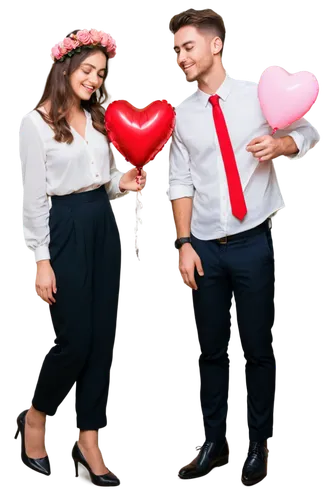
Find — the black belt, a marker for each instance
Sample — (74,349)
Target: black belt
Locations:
(264,226)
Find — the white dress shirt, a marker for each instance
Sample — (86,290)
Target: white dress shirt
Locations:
(53,168)
(196,164)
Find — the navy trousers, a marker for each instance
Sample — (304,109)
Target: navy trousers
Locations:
(245,268)
(85,256)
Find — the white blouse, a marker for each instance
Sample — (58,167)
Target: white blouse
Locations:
(53,168)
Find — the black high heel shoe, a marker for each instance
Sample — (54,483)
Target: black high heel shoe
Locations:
(41,465)
(108,479)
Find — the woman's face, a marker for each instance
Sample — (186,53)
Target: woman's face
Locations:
(89,76)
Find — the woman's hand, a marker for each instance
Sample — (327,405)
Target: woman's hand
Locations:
(132,182)
(45,281)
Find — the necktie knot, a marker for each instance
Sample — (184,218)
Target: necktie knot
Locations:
(214,99)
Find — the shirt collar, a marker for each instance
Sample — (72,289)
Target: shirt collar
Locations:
(223,91)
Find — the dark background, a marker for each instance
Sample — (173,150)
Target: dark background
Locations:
(155,400)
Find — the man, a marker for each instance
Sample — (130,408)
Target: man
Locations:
(224,191)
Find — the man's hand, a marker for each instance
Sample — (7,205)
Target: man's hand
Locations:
(266,147)
(188,261)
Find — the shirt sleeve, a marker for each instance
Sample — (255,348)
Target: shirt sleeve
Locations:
(35,200)
(180,179)
(304,135)
(112,187)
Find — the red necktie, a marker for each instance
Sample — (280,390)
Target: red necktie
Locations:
(237,201)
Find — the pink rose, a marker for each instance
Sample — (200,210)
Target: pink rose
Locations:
(111,49)
(63,50)
(111,46)
(55,51)
(111,41)
(68,44)
(74,41)
(84,37)
(104,39)
(111,53)
(95,36)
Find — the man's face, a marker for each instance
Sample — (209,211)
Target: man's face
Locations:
(194,52)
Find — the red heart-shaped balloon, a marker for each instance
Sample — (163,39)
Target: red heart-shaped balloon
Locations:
(139,134)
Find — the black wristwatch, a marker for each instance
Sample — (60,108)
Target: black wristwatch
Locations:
(180,242)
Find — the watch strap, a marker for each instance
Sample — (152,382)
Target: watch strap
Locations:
(180,241)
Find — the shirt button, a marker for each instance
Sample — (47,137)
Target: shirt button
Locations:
(92,162)
(97,175)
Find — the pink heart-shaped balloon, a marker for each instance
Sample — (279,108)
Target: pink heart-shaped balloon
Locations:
(286,97)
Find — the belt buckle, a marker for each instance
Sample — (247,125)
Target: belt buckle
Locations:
(223,240)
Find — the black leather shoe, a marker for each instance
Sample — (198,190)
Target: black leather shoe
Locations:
(107,479)
(211,455)
(41,465)
(255,466)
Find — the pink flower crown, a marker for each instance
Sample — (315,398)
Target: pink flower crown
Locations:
(72,44)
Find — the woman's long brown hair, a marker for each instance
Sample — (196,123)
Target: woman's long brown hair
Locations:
(59,93)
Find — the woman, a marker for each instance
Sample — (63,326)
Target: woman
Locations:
(65,155)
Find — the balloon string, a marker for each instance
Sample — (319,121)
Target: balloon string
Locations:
(138,208)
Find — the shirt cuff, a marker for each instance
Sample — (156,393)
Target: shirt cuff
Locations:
(42,253)
(180,191)
(299,140)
